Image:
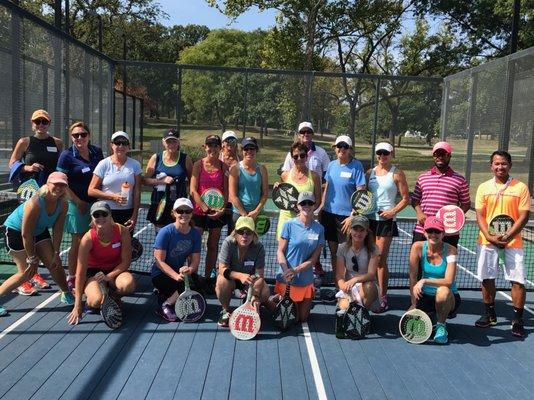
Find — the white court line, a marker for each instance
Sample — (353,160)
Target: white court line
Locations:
(317,378)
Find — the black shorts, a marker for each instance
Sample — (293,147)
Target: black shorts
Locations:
(121,216)
(166,217)
(332,226)
(206,223)
(427,303)
(93,271)
(14,239)
(452,240)
(167,286)
(385,228)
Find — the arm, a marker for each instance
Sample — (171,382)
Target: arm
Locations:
(316,189)
(463,197)
(450,272)
(242,277)
(130,224)
(29,221)
(400,180)
(160,255)
(415,258)
(188,166)
(281,258)
(264,192)
(81,273)
(233,181)
(416,204)
(18,152)
(149,173)
(95,191)
(126,255)
(59,144)
(483,226)
(310,262)
(57,232)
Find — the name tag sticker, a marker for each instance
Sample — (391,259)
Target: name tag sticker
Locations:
(115,245)
(345,174)
(313,236)
(248,263)
(51,149)
(86,169)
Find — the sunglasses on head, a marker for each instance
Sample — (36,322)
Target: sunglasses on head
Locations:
(100,214)
(383,153)
(354,260)
(434,231)
(302,156)
(79,135)
(121,143)
(342,146)
(243,232)
(307,203)
(41,121)
(183,211)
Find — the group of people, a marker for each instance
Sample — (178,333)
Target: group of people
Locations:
(97,200)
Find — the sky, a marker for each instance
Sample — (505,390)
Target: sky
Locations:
(183,12)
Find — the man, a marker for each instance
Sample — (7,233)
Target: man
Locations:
(318,160)
(502,195)
(436,188)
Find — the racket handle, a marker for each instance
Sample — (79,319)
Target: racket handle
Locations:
(186,281)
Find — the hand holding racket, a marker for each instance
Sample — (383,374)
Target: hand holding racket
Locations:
(498,227)
(415,326)
(285,196)
(245,321)
(110,310)
(362,202)
(190,306)
(453,218)
(27,190)
(286,313)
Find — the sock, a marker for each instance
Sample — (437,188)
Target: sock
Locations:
(518,313)
(490,308)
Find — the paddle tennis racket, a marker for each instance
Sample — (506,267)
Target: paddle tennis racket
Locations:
(245,321)
(263,223)
(162,204)
(213,198)
(27,189)
(362,202)
(286,313)
(499,225)
(415,326)
(190,306)
(285,196)
(453,218)
(110,310)
(356,321)
(137,249)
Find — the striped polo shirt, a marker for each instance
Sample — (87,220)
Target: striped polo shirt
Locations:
(434,190)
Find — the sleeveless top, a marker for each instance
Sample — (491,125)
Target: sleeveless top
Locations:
(284,215)
(248,188)
(105,256)
(384,192)
(44,152)
(208,180)
(178,171)
(44,221)
(431,271)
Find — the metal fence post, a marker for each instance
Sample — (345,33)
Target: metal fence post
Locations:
(245,99)
(508,102)
(471,123)
(16,82)
(86,89)
(179,101)
(375,120)
(444,110)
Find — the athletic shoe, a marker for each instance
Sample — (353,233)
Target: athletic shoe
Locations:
(167,313)
(224,318)
(26,289)
(517,328)
(3,311)
(39,282)
(67,298)
(240,294)
(486,320)
(441,336)
(383,305)
(329,296)
(71,283)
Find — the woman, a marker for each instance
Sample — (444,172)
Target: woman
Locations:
(169,173)
(229,156)
(103,258)
(343,177)
(78,163)
(248,184)
(299,247)
(241,257)
(177,253)
(28,239)
(39,154)
(209,175)
(117,181)
(356,264)
(436,291)
(385,181)
(300,176)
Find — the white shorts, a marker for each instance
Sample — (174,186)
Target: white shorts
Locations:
(488,263)
(355,295)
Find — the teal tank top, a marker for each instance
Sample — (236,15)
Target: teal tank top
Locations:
(248,188)
(431,271)
(384,192)
(14,221)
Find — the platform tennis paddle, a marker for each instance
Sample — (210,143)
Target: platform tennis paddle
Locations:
(499,225)
(362,202)
(285,196)
(245,321)
(415,326)
(27,189)
(190,306)
(162,204)
(213,198)
(356,322)
(453,218)
(286,313)
(137,249)
(110,310)
(263,223)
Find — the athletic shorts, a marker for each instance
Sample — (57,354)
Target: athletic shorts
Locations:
(93,271)
(386,228)
(206,223)
(427,303)
(332,226)
(75,221)
(297,293)
(14,239)
(167,286)
(452,240)
(488,263)
(355,295)
(121,216)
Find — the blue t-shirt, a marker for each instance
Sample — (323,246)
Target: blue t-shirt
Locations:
(44,221)
(301,243)
(79,170)
(342,182)
(177,245)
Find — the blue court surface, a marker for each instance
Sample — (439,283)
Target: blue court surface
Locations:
(42,357)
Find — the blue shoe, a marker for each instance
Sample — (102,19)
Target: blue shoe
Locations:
(67,298)
(441,336)
(3,311)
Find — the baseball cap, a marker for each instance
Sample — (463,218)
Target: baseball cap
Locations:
(249,141)
(228,134)
(442,146)
(120,134)
(245,223)
(343,139)
(384,146)
(305,125)
(182,202)
(434,223)
(58,177)
(213,139)
(100,206)
(359,220)
(171,134)
(40,114)
(305,196)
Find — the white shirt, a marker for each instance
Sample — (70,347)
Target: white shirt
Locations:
(113,177)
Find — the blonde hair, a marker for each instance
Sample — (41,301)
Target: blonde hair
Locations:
(43,190)
(79,124)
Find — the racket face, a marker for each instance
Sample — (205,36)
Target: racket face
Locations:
(190,306)
(245,322)
(500,224)
(357,322)
(111,313)
(213,198)
(415,326)
(263,223)
(453,218)
(285,196)
(137,249)
(27,189)
(161,208)
(362,201)
(285,315)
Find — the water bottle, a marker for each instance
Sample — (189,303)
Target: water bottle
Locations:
(125,192)
(161,175)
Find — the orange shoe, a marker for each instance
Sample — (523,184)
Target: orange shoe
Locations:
(26,289)
(40,282)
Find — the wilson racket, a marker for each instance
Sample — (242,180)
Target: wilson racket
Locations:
(356,321)
(362,202)
(499,225)
(190,306)
(453,218)
(415,326)
(286,313)
(137,249)
(263,223)
(285,196)
(27,189)
(110,310)
(245,321)
(213,198)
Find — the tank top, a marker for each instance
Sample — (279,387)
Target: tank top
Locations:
(248,188)
(384,191)
(178,171)
(431,271)
(44,152)
(44,221)
(208,180)
(105,256)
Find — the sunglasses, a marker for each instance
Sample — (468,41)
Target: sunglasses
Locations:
(80,135)
(305,132)
(210,145)
(100,214)
(383,153)
(121,143)
(249,148)
(181,211)
(433,231)
(244,232)
(354,260)
(302,156)
(342,146)
(41,121)
(307,203)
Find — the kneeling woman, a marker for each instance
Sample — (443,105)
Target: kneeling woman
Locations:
(241,257)
(299,248)
(356,265)
(436,291)
(177,253)
(104,257)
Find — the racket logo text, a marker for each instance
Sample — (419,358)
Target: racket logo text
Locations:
(244,323)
